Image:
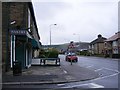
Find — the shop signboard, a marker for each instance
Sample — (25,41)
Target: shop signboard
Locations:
(18,32)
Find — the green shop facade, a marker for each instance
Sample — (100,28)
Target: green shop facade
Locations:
(22,47)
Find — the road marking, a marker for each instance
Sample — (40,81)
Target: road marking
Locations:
(111,70)
(60,84)
(88,85)
(47,74)
(65,71)
(98,69)
(115,59)
(94,85)
(117,72)
(89,66)
(106,76)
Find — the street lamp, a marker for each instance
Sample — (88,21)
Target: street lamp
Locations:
(50,32)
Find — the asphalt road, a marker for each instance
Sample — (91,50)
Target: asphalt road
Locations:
(106,67)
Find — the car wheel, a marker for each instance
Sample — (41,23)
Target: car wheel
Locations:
(66,59)
(76,60)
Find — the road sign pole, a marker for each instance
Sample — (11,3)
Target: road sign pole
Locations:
(71,61)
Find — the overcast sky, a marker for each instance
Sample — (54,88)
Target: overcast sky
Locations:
(77,20)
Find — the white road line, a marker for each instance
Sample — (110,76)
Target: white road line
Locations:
(106,76)
(115,59)
(117,72)
(88,85)
(111,70)
(89,66)
(60,84)
(94,85)
(64,71)
(98,69)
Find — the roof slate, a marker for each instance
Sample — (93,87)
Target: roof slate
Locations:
(114,37)
(98,40)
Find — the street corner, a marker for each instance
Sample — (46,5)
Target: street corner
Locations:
(52,74)
(88,74)
(83,74)
(75,74)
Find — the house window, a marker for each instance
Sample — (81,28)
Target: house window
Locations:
(92,46)
(114,43)
(105,44)
(115,51)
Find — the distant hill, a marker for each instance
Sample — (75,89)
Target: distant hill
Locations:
(79,46)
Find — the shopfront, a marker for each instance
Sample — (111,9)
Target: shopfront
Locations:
(22,47)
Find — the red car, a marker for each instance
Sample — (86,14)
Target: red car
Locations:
(72,56)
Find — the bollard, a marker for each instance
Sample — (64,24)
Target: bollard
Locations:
(17,68)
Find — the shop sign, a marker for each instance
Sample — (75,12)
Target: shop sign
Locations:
(18,32)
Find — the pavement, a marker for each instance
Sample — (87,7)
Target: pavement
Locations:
(47,75)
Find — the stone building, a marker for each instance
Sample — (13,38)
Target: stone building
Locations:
(112,45)
(97,45)
(19,34)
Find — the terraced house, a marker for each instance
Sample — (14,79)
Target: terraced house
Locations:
(20,36)
(112,46)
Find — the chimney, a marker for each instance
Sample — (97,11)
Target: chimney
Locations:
(99,36)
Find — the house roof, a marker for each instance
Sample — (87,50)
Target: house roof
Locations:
(100,39)
(114,37)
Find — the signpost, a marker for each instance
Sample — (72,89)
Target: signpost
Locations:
(71,48)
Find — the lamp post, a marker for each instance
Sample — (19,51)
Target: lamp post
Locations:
(50,32)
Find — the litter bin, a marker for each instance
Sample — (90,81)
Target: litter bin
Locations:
(17,68)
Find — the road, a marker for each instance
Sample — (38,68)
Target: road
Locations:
(107,69)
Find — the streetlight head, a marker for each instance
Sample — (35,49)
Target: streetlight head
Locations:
(55,24)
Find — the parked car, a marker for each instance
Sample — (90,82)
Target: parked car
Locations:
(71,56)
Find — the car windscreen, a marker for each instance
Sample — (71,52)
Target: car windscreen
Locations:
(72,54)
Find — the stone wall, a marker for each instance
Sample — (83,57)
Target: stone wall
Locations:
(11,11)
(5,36)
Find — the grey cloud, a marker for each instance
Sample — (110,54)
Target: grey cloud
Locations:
(47,10)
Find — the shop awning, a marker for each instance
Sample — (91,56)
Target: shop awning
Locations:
(35,44)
